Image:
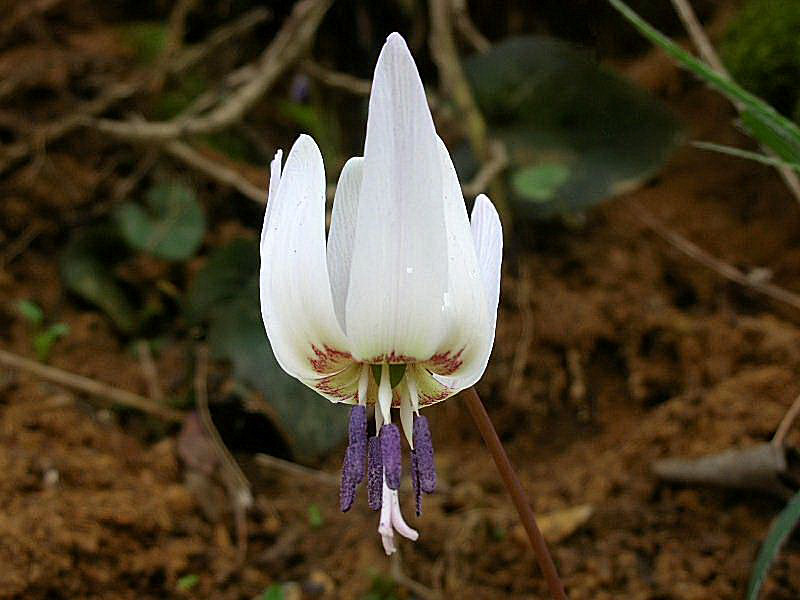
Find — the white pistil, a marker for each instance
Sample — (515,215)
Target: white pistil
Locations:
(392,520)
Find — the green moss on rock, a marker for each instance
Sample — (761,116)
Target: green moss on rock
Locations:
(762,51)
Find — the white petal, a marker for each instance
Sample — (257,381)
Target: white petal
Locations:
(467,328)
(487,233)
(398,274)
(447,374)
(296,302)
(340,237)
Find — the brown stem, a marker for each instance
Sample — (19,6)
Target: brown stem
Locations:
(518,496)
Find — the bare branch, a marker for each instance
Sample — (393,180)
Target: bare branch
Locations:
(724,269)
(215,170)
(291,42)
(454,81)
(90,386)
(335,79)
(236,482)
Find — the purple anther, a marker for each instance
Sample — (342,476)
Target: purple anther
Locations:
(392,453)
(350,471)
(374,473)
(358,439)
(423,447)
(415,483)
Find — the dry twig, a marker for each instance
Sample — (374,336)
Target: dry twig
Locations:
(707,52)
(51,132)
(335,79)
(786,423)
(291,42)
(466,27)
(215,170)
(90,386)
(445,55)
(150,371)
(415,587)
(236,482)
(724,269)
(295,470)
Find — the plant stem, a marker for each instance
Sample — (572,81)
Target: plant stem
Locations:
(518,496)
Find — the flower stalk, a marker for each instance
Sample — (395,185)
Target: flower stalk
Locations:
(516,491)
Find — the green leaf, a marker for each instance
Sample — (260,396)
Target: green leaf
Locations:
(576,132)
(540,183)
(228,269)
(273,592)
(315,518)
(44,341)
(187,582)
(779,532)
(767,125)
(86,272)
(31,312)
(173,228)
(147,39)
(746,154)
(225,292)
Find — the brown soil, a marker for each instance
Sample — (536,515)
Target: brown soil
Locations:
(613,350)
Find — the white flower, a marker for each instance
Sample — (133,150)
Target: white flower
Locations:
(406,284)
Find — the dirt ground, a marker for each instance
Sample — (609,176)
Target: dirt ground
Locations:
(613,349)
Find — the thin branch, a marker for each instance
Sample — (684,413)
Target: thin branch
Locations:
(336,79)
(466,27)
(215,170)
(707,52)
(786,423)
(295,470)
(493,167)
(117,92)
(516,491)
(90,386)
(415,587)
(722,268)
(194,54)
(150,370)
(235,480)
(454,81)
(291,42)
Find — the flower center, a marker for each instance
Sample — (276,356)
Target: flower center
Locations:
(381,456)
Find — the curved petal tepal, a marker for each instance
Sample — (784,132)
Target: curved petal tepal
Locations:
(343,227)
(398,274)
(453,373)
(296,301)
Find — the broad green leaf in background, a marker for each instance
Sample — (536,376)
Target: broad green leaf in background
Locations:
(762,121)
(85,267)
(225,293)
(778,533)
(540,183)
(172,229)
(576,132)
